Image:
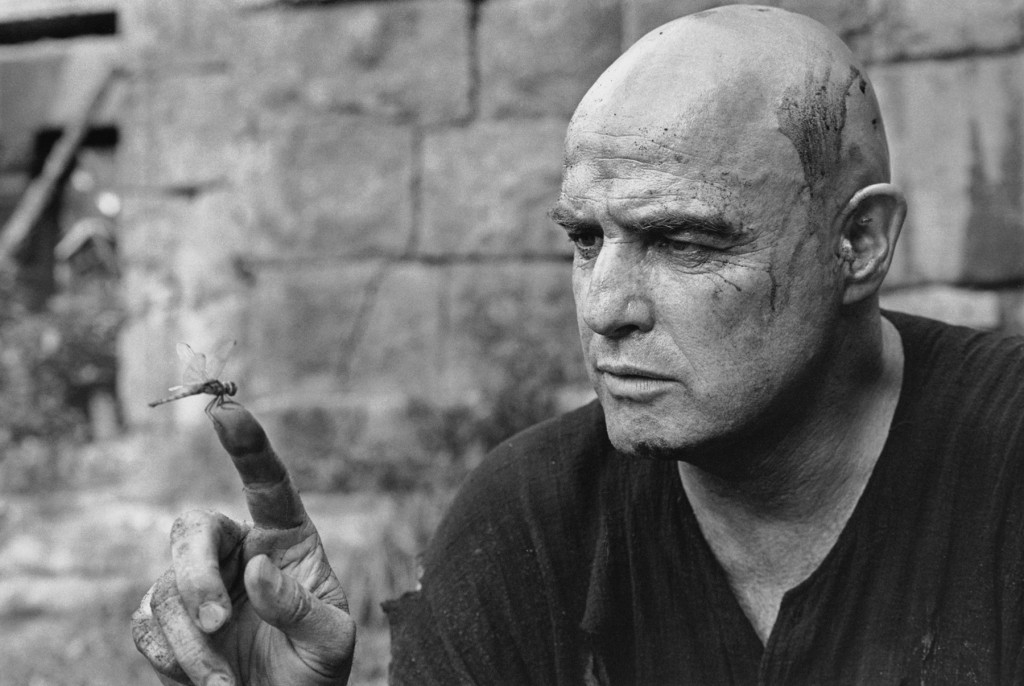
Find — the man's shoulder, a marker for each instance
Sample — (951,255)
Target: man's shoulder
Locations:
(963,385)
(929,337)
(960,357)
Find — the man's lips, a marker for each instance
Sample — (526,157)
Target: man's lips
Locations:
(630,382)
(626,370)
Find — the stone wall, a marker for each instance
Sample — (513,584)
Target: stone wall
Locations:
(356,191)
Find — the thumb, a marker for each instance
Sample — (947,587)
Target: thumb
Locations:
(323,635)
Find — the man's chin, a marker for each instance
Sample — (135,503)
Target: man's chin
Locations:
(645,448)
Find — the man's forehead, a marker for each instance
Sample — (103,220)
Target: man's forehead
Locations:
(623,187)
(732,190)
(687,147)
(623,175)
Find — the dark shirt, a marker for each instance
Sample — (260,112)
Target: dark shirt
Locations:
(563,562)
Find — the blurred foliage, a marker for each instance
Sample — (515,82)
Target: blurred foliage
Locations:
(51,360)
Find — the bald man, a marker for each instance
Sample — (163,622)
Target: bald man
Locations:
(778,484)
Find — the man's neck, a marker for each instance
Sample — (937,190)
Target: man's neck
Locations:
(771,528)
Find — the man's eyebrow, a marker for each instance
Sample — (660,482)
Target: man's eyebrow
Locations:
(566,218)
(661,224)
(683,223)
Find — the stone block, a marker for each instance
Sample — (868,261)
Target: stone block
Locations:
(914,29)
(510,333)
(357,327)
(158,229)
(513,351)
(538,57)
(178,131)
(487,188)
(841,16)
(643,16)
(850,20)
(327,185)
(847,18)
(149,227)
(147,366)
(182,283)
(208,260)
(170,36)
(193,245)
(976,308)
(956,139)
(899,269)
(401,60)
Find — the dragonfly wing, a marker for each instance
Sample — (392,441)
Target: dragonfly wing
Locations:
(219,358)
(195,365)
(185,352)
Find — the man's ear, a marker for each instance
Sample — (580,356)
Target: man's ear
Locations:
(870,224)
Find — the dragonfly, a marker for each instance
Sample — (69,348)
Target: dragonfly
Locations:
(200,376)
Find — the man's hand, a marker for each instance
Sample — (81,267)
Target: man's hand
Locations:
(248,604)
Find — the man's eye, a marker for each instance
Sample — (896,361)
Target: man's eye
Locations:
(675,245)
(680,247)
(689,253)
(587,244)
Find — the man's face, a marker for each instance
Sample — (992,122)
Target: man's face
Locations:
(706,284)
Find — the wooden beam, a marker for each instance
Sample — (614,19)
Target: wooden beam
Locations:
(40,191)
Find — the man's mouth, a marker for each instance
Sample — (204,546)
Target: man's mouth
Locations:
(630,382)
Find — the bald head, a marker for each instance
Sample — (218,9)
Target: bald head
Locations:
(744,88)
(725,187)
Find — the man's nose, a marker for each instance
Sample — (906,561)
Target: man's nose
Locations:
(616,297)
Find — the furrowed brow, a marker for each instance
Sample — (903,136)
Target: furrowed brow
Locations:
(567,219)
(684,223)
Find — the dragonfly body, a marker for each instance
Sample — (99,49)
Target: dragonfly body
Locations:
(211,387)
(199,377)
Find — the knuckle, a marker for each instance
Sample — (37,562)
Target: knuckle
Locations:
(164,589)
(190,522)
(140,629)
(150,643)
(142,613)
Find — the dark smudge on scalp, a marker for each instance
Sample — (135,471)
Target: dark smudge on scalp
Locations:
(813,118)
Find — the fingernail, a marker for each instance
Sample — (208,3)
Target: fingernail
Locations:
(218,679)
(211,616)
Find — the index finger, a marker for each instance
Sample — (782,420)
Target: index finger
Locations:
(272,499)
